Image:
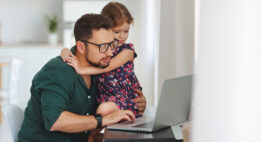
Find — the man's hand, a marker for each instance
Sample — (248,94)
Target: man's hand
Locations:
(141,102)
(118,116)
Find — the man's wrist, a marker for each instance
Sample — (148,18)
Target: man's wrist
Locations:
(98,117)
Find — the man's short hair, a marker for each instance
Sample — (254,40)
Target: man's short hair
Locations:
(87,23)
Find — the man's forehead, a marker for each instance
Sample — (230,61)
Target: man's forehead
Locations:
(102,36)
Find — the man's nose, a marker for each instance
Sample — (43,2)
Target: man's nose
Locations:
(108,53)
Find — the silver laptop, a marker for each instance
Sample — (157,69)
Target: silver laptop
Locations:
(173,108)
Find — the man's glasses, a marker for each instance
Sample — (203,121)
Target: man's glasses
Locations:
(105,46)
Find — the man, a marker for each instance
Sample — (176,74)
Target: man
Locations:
(62,104)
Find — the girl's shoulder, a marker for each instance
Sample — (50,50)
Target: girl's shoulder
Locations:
(128,46)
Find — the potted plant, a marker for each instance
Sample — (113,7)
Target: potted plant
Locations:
(52,27)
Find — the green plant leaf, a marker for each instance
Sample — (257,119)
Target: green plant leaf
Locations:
(52,24)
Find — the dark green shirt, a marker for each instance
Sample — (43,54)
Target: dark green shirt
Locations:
(56,88)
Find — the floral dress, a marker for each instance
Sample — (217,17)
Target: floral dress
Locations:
(120,85)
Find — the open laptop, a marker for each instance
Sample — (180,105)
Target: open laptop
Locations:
(173,108)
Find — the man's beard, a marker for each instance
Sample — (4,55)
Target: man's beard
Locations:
(99,65)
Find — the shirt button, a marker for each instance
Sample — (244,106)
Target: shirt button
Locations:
(86,132)
(89,97)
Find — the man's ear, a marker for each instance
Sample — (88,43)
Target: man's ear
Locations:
(80,46)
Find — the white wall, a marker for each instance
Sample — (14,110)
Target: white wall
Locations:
(143,34)
(24,20)
(163,36)
(176,45)
(227,86)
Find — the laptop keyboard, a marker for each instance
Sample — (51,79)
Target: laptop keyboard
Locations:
(145,125)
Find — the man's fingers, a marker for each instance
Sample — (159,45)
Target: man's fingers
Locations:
(132,116)
(139,92)
(139,100)
(141,104)
(141,109)
(140,112)
(123,116)
(129,114)
(126,117)
(119,115)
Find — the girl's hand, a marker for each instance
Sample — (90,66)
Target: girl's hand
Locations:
(66,54)
(73,61)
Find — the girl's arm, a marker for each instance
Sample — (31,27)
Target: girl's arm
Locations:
(123,57)
(117,61)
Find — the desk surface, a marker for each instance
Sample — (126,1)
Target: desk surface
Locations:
(165,135)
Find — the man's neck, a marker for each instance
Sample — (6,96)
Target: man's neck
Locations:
(82,59)
(83,62)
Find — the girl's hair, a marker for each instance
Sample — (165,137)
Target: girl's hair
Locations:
(118,13)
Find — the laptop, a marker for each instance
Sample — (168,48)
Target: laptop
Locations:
(173,108)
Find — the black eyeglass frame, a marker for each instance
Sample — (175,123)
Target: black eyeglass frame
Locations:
(99,45)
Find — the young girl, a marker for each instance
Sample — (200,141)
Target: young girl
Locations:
(117,83)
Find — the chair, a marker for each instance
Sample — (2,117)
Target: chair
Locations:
(14,116)
(9,93)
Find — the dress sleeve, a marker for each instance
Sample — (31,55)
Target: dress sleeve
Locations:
(130,47)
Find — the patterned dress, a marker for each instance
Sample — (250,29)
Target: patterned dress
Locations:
(120,85)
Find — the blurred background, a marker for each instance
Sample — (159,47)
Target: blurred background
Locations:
(26,35)
(217,40)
